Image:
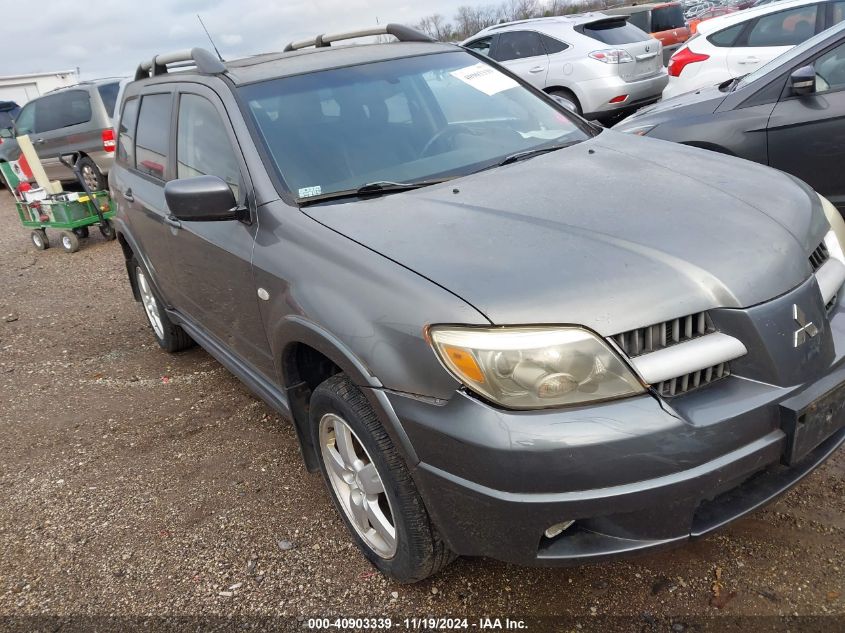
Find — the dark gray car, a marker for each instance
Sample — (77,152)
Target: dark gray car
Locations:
(491,336)
(787,114)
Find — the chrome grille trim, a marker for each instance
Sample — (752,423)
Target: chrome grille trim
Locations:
(830,277)
(685,360)
(819,256)
(652,338)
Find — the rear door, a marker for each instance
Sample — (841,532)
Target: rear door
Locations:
(523,53)
(212,261)
(806,134)
(145,165)
(771,35)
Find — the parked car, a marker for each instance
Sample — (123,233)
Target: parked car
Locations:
(490,334)
(600,65)
(708,14)
(8,111)
(75,118)
(787,114)
(737,44)
(664,21)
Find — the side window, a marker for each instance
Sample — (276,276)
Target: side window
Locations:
(481,46)
(203,147)
(62,110)
(518,45)
(642,20)
(126,133)
(153,135)
(25,121)
(108,93)
(552,45)
(830,70)
(726,37)
(837,14)
(785,28)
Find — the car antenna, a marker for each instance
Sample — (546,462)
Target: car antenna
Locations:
(213,45)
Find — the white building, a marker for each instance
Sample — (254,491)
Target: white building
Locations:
(22,88)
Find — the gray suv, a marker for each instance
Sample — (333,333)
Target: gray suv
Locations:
(77,118)
(491,335)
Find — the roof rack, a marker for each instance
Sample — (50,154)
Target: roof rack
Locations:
(203,60)
(399,31)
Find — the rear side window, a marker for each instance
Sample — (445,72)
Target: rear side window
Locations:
(518,45)
(641,19)
(152,136)
(667,18)
(726,37)
(615,32)
(552,45)
(61,110)
(838,13)
(203,147)
(785,28)
(108,93)
(126,133)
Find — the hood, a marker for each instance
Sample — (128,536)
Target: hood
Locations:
(698,102)
(614,233)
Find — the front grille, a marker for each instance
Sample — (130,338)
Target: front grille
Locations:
(819,256)
(685,384)
(661,335)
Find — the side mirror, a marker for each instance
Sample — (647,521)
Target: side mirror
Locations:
(803,81)
(201,199)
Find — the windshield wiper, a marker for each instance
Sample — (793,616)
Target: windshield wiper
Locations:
(375,188)
(530,153)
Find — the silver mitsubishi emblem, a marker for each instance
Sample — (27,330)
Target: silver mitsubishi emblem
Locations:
(806,330)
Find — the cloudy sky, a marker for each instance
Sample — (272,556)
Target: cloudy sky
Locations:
(109,37)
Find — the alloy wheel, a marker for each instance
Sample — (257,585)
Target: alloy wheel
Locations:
(150,304)
(357,485)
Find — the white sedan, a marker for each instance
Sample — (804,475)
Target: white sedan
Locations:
(736,44)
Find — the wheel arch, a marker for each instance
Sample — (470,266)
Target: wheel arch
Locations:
(713,147)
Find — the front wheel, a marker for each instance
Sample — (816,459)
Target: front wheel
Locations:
(371,486)
(39,239)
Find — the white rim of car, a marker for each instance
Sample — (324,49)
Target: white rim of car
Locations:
(357,485)
(149,301)
(90,177)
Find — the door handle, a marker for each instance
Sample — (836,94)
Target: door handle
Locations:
(128,195)
(39,141)
(171,220)
(749,60)
(537,69)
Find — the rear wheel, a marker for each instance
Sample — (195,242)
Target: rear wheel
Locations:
(91,174)
(371,486)
(81,232)
(108,231)
(168,335)
(563,94)
(69,241)
(39,239)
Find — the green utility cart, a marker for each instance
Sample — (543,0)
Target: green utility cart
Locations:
(71,213)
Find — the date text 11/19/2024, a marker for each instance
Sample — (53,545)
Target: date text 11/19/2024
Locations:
(417,624)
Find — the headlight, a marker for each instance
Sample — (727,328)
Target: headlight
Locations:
(534,367)
(639,130)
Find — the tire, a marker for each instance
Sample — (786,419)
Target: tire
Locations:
(81,232)
(417,551)
(69,241)
(108,231)
(567,95)
(168,335)
(39,239)
(91,174)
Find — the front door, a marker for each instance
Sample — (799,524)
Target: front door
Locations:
(807,133)
(212,261)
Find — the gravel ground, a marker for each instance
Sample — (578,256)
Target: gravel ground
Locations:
(136,483)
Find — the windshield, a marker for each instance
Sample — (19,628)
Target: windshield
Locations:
(790,55)
(403,120)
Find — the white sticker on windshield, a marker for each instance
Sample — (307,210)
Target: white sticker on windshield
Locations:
(307,192)
(484,78)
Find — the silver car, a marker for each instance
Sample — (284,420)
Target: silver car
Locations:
(601,65)
(73,119)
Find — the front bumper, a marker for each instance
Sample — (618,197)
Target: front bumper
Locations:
(597,94)
(635,475)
